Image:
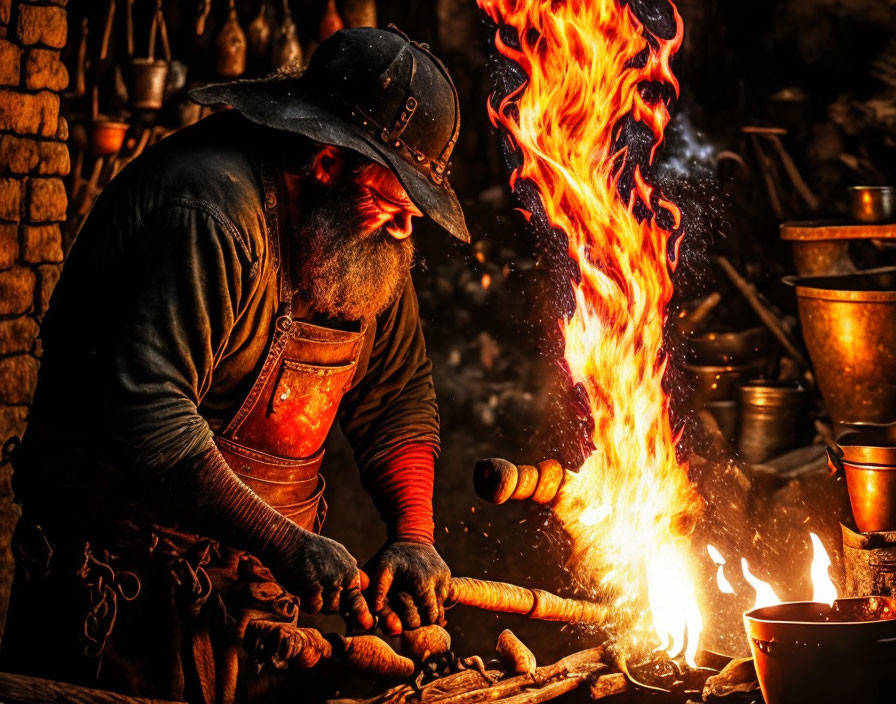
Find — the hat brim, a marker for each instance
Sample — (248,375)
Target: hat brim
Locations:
(265,102)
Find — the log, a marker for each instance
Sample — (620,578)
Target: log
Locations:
(35,690)
(608,685)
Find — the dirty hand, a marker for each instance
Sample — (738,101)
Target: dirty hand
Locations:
(325,577)
(409,584)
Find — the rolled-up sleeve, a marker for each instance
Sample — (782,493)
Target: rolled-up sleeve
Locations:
(179,309)
(395,402)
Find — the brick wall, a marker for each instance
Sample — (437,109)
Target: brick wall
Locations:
(33,202)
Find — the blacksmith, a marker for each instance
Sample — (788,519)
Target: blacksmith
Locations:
(236,289)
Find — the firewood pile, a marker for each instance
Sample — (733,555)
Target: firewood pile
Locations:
(514,677)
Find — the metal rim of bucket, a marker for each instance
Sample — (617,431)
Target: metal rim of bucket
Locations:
(805,290)
(787,622)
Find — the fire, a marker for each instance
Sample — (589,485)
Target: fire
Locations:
(587,64)
(823,589)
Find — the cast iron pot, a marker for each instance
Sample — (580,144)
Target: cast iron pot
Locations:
(811,653)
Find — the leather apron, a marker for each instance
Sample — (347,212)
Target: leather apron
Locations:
(274,443)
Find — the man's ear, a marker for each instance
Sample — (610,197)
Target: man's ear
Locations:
(328,164)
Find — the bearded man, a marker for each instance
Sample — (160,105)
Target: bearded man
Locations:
(235,289)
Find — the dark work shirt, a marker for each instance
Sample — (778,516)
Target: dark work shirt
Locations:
(163,316)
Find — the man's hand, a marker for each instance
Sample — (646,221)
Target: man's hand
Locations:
(325,577)
(409,584)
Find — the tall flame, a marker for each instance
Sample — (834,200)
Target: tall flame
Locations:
(588,64)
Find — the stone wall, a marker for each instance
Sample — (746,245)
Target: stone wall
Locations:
(33,160)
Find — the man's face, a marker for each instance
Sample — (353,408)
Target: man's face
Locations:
(382,202)
(353,230)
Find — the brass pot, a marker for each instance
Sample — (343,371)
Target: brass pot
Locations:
(107,136)
(849,326)
(772,414)
(811,653)
(871,203)
(150,79)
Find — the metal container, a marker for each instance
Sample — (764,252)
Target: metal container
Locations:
(772,414)
(871,203)
(867,457)
(730,348)
(719,382)
(107,136)
(869,563)
(811,653)
(821,247)
(849,326)
(150,79)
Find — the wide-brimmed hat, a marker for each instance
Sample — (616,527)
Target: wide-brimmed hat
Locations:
(372,91)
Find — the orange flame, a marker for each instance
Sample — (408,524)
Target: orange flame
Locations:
(586,62)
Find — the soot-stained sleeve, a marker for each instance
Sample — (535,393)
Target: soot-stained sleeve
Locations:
(395,402)
(183,296)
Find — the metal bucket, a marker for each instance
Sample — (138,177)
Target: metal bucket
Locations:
(771,416)
(150,79)
(849,325)
(811,653)
(867,457)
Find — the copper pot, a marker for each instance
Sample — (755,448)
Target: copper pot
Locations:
(811,653)
(867,458)
(107,136)
(821,247)
(872,203)
(150,79)
(849,325)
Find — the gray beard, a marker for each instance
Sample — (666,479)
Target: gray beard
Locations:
(343,275)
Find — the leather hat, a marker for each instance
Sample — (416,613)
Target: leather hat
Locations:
(372,91)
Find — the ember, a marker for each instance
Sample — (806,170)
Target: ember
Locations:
(594,73)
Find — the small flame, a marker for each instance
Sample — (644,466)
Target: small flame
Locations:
(765,595)
(823,589)
(721,581)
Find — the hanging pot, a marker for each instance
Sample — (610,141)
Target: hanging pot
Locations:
(259,36)
(107,136)
(359,13)
(330,23)
(287,49)
(150,74)
(230,47)
(150,77)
